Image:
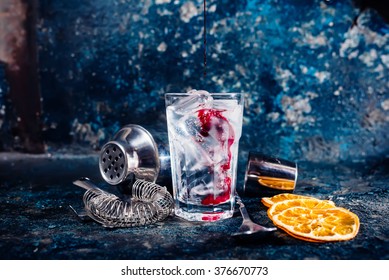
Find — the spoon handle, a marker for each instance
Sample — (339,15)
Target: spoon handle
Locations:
(242,208)
(85,183)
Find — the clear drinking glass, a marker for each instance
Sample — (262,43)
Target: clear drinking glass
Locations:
(204,131)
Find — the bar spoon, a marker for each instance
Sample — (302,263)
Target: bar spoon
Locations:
(248,227)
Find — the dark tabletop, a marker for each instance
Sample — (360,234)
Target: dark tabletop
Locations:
(37,223)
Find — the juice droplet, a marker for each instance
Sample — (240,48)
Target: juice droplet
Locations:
(205,37)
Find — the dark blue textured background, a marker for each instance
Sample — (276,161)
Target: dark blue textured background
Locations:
(317,88)
(3,101)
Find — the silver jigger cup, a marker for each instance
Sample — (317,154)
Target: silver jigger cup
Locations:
(269,175)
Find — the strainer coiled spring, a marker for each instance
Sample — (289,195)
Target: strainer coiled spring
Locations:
(150,203)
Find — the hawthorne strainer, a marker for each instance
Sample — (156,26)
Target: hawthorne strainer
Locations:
(149,203)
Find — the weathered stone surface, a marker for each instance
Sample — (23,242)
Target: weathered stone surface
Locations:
(36,222)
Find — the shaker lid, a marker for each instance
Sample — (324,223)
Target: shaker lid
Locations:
(131,154)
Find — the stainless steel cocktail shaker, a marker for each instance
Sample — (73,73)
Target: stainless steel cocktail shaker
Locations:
(136,153)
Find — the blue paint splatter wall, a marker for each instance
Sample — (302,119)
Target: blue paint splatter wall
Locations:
(3,91)
(316,86)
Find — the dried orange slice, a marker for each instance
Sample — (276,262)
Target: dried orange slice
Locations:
(269,201)
(319,225)
(310,203)
(275,183)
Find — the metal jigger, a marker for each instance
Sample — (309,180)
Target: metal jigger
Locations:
(268,176)
(134,153)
